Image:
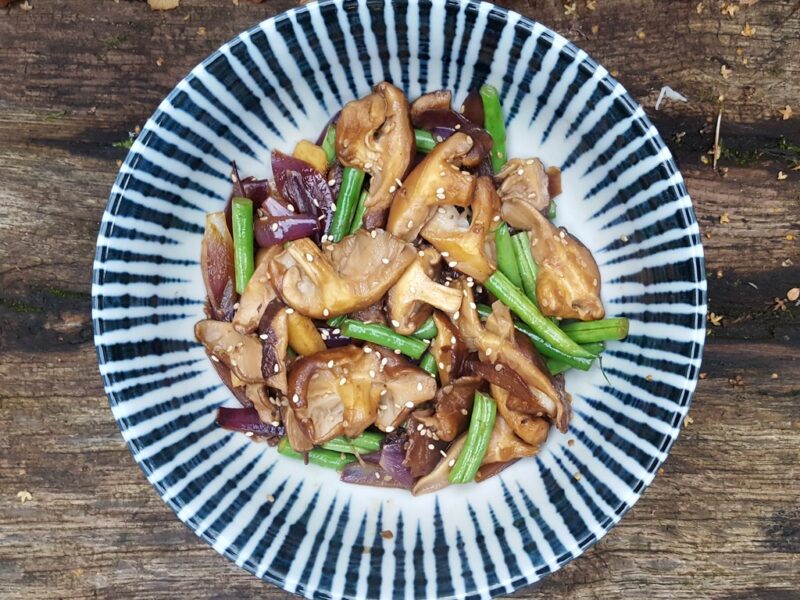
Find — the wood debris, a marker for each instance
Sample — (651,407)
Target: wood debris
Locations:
(774,376)
(201,31)
(24,496)
(729,8)
(688,421)
(700,8)
(747,30)
(778,304)
(715,319)
(786,112)
(724,218)
(570,8)
(703,375)
(737,381)
(386,534)
(747,3)
(725,71)
(793,294)
(595,29)
(591,4)
(26,6)
(717,149)
(782,176)
(163,4)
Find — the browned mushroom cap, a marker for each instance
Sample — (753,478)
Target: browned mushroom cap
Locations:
(423,450)
(523,189)
(437,181)
(267,408)
(504,445)
(342,391)
(530,428)
(257,294)
(411,299)
(273,331)
(374,134)
(568,281)
(468,246)
(436,100)
(497,344)
(239,352)
(216,260)
(452,405)
(439,477)
(348,276)
(447,348)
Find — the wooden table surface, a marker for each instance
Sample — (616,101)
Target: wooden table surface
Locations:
(77,517)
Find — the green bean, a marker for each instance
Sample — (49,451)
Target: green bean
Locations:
(243,250)
(603,330)
(481,424)
(552,210)
(352,180)
(425,141)
(527,266)
(510,295)
(543,346)
(317,456)
(329,144)
(556,366)
(428,363)
(506,260)
(337,321)
(383,336)
(367,442)
(361,208)
(426,331)
(494,124)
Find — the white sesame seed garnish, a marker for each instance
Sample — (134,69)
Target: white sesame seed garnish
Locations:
(456,315)
(263,336)
(445,254)
(331,182)
(290,311)
(452,340)
(383,392)
(385,260)
(442,174)
(389,429)
(309,257)
(395,323)
(431,447)
(372,373)
(410,224)
(343,380)
(274,227)
(290,207)
(377,475)
(296,399)
(275,423)
(398,182)
(409,405)
(496,218)
(473,306)
(520,171)
(325,312)
(440,190)
(419,386)
(330,364)
(214,358)
(397,351)
(439,139)
(464,412)
(367,166)
(392,189)
(440,210)
(367,349)
(488,352)
(441,366)
(248,433)
(452,264)
(498,367)
(276,368)
(333,206)
(452,462)
(373,234)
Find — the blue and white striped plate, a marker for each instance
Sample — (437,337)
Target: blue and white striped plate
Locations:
(300,528)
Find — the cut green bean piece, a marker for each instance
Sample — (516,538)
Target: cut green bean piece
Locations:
(424,140)
(383,336)
(543,346)
(336,321)
(318,456)
(552,210)
(358,217)
(494,124)
(527,266)
(603,330)
(352,181)
(426,331)
(506,259)
(428,363)
(243,248)
(367,442)
(510,295)
(556,366)
(481,424)
(329,144)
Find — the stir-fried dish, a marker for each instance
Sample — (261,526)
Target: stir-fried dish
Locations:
(396,302)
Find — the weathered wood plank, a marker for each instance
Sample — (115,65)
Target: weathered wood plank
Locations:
(721,521)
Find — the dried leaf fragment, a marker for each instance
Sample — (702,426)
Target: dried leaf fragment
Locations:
(591,4)
(786,112)
(793,294)
(725,71)
(700,8)
(24,496)
(782,176)
(748,30)
(570,8)
(724,218)
(26,6)
(163,4)
(730,9)
(715,319)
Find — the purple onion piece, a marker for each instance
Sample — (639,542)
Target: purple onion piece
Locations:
(245,420)
(373,457)
(443,119)
(333,340)
(368,474)
(302,185)
(273,207)
(391,461)
(442,132)
(472,108)
(272,231)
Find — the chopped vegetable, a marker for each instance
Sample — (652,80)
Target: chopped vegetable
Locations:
(312,154)
(556,366)
(304,337)
(428,363)
(552,210)
(245,420)
(329,144)
(484,412)
(604,330)
(364,444)
(358,216)
(506,258)
(426,331)
(527,267)
(505,291)
(383,336)
(352,181)
(318,456)
(495,124)
(243,250)
(424,140)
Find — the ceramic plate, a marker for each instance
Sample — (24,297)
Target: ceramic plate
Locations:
(300,528)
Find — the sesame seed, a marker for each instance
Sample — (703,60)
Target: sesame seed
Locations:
(275,423)
(439,138)
(289,311)
(464,412)
(325,312)
(456,315)
(488,352)
(440,210)
(248,433)
(441,174)
(397,351)
(373,234)
(452,264)
(409,405)
(367,349)
(440,190)
(296,398)
(276,368)
(343,380)
(330,364)
(452,462)
(419,387)
(333,206)
(331,182)
(274,227)
(372,373)
(473,306)
(410,224)
(309,257)
(520,171)
(263,336)
(443,453)
(385,260)
(445,254)
(395,323)
(498,367)
(441,365)
(383,392)
(367,166)
(214,358)
(392,189)
(431,447)
(389,429)
(458,126)
(496,218)
(398,182)
(377,475)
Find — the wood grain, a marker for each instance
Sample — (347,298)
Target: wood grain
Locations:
(721,522)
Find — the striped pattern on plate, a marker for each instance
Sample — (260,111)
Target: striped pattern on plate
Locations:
(299,527)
